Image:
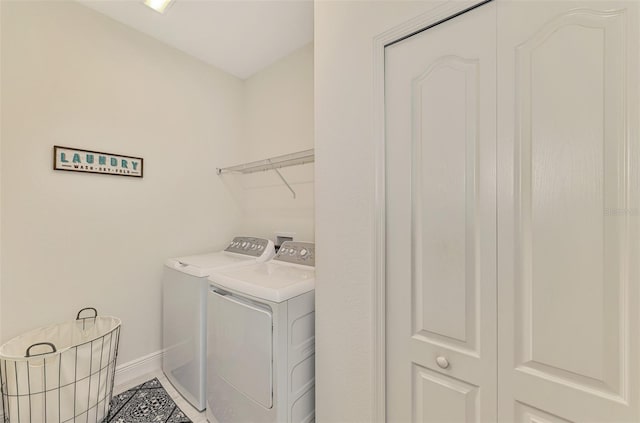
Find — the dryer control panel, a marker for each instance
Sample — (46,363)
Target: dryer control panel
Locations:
(297,253)
(249,246)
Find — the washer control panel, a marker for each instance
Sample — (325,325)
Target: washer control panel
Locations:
(297,252)
(249,246)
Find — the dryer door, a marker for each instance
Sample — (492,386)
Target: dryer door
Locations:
(242,347)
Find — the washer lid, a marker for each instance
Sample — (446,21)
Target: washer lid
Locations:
(202,265)
(272,281)
(241,251)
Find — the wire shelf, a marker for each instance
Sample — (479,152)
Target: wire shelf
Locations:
(273,163)
(293,159)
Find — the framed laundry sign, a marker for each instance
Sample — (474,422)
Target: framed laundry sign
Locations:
(76,160)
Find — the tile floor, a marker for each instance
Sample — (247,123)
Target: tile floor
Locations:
(191,412)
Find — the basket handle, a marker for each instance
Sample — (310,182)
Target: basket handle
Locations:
(95,313)
(48,344)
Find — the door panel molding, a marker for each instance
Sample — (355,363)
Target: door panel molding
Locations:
(462,396)
(459,77)
(527,414)
(567,200)
(600,368)
(572,381)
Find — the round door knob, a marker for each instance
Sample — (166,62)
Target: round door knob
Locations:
(442,362)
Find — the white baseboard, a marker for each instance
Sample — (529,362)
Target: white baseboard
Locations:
(133,369)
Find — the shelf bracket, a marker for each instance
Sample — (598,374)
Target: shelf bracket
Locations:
(285,182)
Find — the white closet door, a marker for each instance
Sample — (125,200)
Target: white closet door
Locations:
(441,265)
(568,211)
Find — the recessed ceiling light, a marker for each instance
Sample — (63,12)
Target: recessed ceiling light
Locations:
(157,5)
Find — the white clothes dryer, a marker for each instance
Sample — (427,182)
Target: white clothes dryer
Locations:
(261,340)
(184,311)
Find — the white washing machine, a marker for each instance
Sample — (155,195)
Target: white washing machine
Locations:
(184,311)
(261,340)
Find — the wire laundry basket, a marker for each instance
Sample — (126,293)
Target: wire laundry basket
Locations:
(61,373)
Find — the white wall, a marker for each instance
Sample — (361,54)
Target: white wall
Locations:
(279,120)
(345,200)
(73,77)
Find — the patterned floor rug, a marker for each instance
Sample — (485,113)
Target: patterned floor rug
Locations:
(145,403)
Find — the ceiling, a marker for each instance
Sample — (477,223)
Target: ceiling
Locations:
(240,37)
